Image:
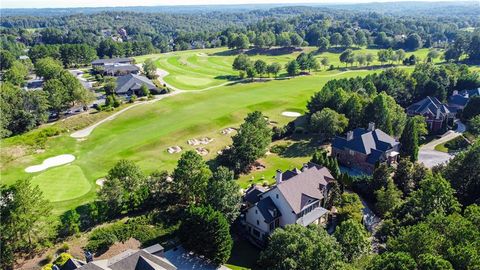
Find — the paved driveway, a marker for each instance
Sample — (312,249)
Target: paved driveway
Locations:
(431,157)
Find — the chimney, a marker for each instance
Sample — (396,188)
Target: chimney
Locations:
(349,135)
(371,126)
(455,92)
(438,113)
(304,167)
(278,177)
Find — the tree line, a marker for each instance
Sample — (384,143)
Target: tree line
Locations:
(284,27)
(24,110)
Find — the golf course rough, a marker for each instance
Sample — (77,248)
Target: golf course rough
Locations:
(144,132)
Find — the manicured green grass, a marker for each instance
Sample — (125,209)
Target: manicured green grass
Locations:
(62,183)
(144,133)
(244,256)
(199,69)
(441,147)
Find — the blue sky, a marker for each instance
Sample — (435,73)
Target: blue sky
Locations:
(111,3)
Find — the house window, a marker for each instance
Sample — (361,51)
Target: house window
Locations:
(351,152)
(276,196)
(274,224)
(258,222)
(256,233)
(256,211)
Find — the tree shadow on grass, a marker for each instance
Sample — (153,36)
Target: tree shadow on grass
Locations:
(304,145)
(227,77)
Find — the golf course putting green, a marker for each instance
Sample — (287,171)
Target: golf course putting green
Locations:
(62,183)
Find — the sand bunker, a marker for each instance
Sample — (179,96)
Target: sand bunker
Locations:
(174,149)
(201,151)
(291,114)
(51,162)
(200,141)
(100,181)
(227,131)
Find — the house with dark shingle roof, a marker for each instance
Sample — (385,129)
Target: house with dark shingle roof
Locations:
(458,100)
(437,115)
(364,148)
(130,84)
(111,61)
(298,197)
(120,69)
(150,258)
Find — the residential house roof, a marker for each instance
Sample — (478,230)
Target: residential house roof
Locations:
(128,260)
(373,143)
(268,209)
(121,67)
(72,264)
(112,61)
(252,194)
(132,81)
(461,98)
(428,105)
(305,187)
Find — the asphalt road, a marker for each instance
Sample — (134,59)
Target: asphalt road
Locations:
(431,157)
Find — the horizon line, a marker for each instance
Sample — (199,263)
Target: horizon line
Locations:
(314,2)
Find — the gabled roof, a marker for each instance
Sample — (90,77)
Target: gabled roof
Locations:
(121,67)
(268,209)
(112,61)
(428,105)
(132,81)
(364,141)
(372,143)
(128,260)
(462,97)
(308,185)
(252,194)
(72,264)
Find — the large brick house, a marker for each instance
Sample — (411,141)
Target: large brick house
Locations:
(298,197)
(437,115)
(364,148)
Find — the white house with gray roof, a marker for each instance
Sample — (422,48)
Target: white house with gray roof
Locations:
(297,197)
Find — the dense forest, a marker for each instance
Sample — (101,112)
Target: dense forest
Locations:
(278,26)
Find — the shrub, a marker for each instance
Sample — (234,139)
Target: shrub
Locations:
(62,259)
(278,149)
(457,144)
(101,239)
(49,258)
(64,247)
(47,266)
(138,228)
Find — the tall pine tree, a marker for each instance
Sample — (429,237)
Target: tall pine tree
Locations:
(409,140)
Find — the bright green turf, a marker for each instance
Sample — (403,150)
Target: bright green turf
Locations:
(199,69)
(144,133)
(62,183)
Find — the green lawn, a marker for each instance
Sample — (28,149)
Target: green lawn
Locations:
(244,256)
(62,183)
(144,133)
(199,69)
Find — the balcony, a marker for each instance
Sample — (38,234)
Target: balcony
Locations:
(312,216)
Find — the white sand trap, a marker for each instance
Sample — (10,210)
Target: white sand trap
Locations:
(291,114)
(51,162)
(201,151)
(100,181)
(174,149)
